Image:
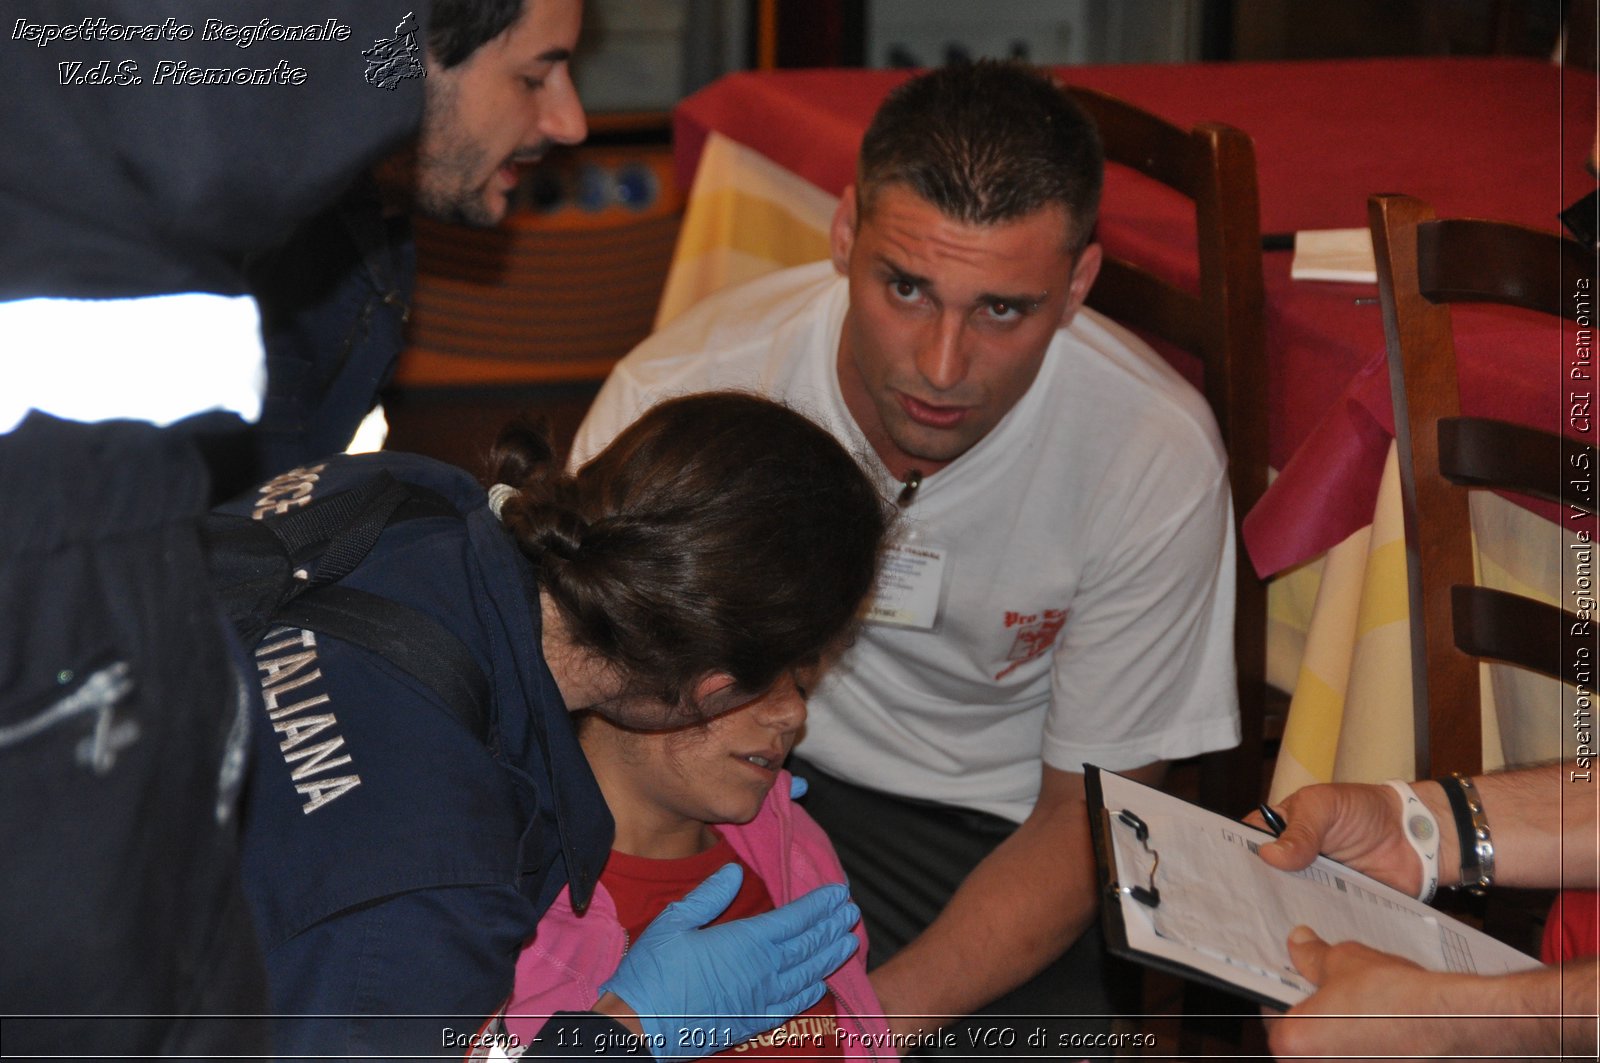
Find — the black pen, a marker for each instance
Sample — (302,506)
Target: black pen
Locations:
(1275,822)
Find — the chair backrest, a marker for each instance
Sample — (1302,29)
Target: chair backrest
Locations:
(516,304)
(1222,325)
(1424,264)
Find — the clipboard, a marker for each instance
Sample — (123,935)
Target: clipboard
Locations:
(1221,916)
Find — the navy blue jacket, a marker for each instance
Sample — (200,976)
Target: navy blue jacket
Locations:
(144,188)
(334,301)
(395,864)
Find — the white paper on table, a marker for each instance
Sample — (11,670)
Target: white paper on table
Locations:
(1226,913)
(1334,255)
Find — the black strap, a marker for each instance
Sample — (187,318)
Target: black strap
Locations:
(346,524)
(409,639)
(344,527)
(323,519)
(1466,838)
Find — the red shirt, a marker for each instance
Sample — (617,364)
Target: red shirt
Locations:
(1573,929)
(642,888)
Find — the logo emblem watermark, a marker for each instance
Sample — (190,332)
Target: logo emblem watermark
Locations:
(391,60)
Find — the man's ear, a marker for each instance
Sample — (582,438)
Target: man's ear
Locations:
(1084,272)
(842,234)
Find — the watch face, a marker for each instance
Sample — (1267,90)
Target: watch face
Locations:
(1420,827)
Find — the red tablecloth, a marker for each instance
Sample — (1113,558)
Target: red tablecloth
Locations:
(1500,138)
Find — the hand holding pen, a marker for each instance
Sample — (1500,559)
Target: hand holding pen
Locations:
(1359,826)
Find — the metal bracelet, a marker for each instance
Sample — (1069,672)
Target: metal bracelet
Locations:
(1472,831)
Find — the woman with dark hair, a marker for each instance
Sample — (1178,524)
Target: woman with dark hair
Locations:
(396,859)
(716,545)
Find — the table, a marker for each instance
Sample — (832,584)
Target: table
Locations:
(1497,137)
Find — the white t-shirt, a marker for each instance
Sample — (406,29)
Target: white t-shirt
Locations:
(1088,592)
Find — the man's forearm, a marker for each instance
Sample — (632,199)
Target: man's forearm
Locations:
(1548,1013)
(1372,1004)
(1551,1012)
(1542,822)
(1580,1007)
(1020,908)
(1547,832)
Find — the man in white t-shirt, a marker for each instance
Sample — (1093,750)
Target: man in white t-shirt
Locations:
(1062,591)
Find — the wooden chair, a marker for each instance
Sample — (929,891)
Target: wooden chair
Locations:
(1221,324)
(1425,264)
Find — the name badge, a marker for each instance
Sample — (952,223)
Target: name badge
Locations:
(909,586)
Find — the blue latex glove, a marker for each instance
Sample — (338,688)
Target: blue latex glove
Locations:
(797,787)
(699,991)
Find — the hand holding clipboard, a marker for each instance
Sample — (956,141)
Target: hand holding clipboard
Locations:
(1185,891)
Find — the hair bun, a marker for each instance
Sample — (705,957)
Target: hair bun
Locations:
(551,528)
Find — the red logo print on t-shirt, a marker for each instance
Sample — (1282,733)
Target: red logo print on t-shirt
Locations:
(1036,633)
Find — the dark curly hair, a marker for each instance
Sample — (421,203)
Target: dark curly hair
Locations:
(720,532)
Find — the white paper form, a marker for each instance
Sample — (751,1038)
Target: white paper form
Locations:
(1227,913)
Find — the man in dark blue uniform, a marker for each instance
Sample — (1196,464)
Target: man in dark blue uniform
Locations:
(126,203)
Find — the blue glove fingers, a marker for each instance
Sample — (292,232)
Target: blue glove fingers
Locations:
(816,955)
(809,989)
(796,1004)
(640,980)
(778,926)
(819,938)
(737,979)
(703,903)
(797,790)
(745,1027)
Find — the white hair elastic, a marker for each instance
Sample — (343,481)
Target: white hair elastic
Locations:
(1422,831)
(497,497)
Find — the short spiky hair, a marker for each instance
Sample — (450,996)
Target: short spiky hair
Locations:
(986,142)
